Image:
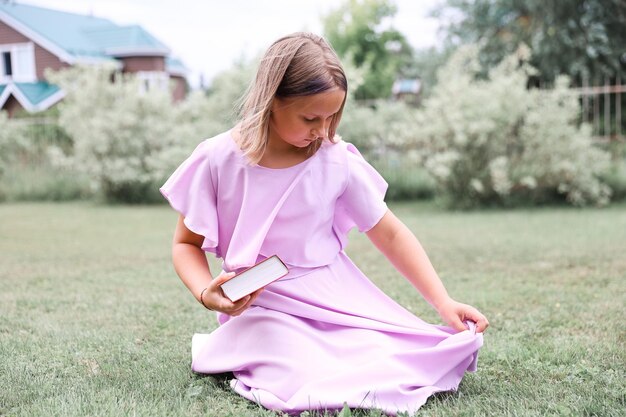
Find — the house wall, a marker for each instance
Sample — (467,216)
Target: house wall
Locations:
(10,35)
(180,88)
(12,106)
(43,58)
(143,63)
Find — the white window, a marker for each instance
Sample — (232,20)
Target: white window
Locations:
(17,63)
(154,80)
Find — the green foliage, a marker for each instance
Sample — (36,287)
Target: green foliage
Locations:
(407,180)
(425,65)
(381,133)
(577,38)
(483,141)
(355,31)
(12,141)
(29,181)
(345,411)
(10,144)
(494,141)
(27,147)
(205,114)
(128,140)
(615,178)
(119,130)
(373,129)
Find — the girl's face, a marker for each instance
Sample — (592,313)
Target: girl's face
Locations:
(298,121)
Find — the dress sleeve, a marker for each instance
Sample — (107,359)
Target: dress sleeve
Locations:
(191,191)
(362,203)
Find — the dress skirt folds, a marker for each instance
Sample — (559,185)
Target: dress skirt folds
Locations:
(323,335)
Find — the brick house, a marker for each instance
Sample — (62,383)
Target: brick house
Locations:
(33,39)
(409,90)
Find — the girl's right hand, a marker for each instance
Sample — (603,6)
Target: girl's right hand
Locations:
(215,299)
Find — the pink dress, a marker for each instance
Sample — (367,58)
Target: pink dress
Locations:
(324,335)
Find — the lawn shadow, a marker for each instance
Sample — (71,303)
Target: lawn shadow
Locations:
(221,380)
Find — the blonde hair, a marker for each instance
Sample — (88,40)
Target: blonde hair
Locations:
(297,65)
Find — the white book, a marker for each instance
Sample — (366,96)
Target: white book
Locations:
(255,277)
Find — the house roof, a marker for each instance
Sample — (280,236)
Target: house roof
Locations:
(406,86)
(75,37)
(176,67)
(32,96)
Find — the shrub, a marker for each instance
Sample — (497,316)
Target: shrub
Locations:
(385,125)
(26,171)
(407,180)
(119,131)
(615,177)
(11,143)
(42,182)
(128,140)
(381,132)
(494,141)
(204,114)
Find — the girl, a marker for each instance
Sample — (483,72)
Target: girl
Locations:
(281,182)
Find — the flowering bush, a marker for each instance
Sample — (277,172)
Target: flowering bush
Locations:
(204,114)
(484,141)
(119,131)
(385,125)
(128,140)
(381,133)
(495,141)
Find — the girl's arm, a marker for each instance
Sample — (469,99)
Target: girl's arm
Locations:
(192,267)
(404,251)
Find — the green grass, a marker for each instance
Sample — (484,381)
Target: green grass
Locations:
(94,321)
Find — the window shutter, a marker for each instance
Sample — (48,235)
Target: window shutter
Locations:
(24,65)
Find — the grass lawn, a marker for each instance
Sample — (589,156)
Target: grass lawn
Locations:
(94,321)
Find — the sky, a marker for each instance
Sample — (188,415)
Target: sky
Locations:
(209,35)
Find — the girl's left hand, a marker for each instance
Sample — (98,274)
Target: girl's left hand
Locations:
(455,313)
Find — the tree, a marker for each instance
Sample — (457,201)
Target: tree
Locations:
(579,38)
(359,31)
